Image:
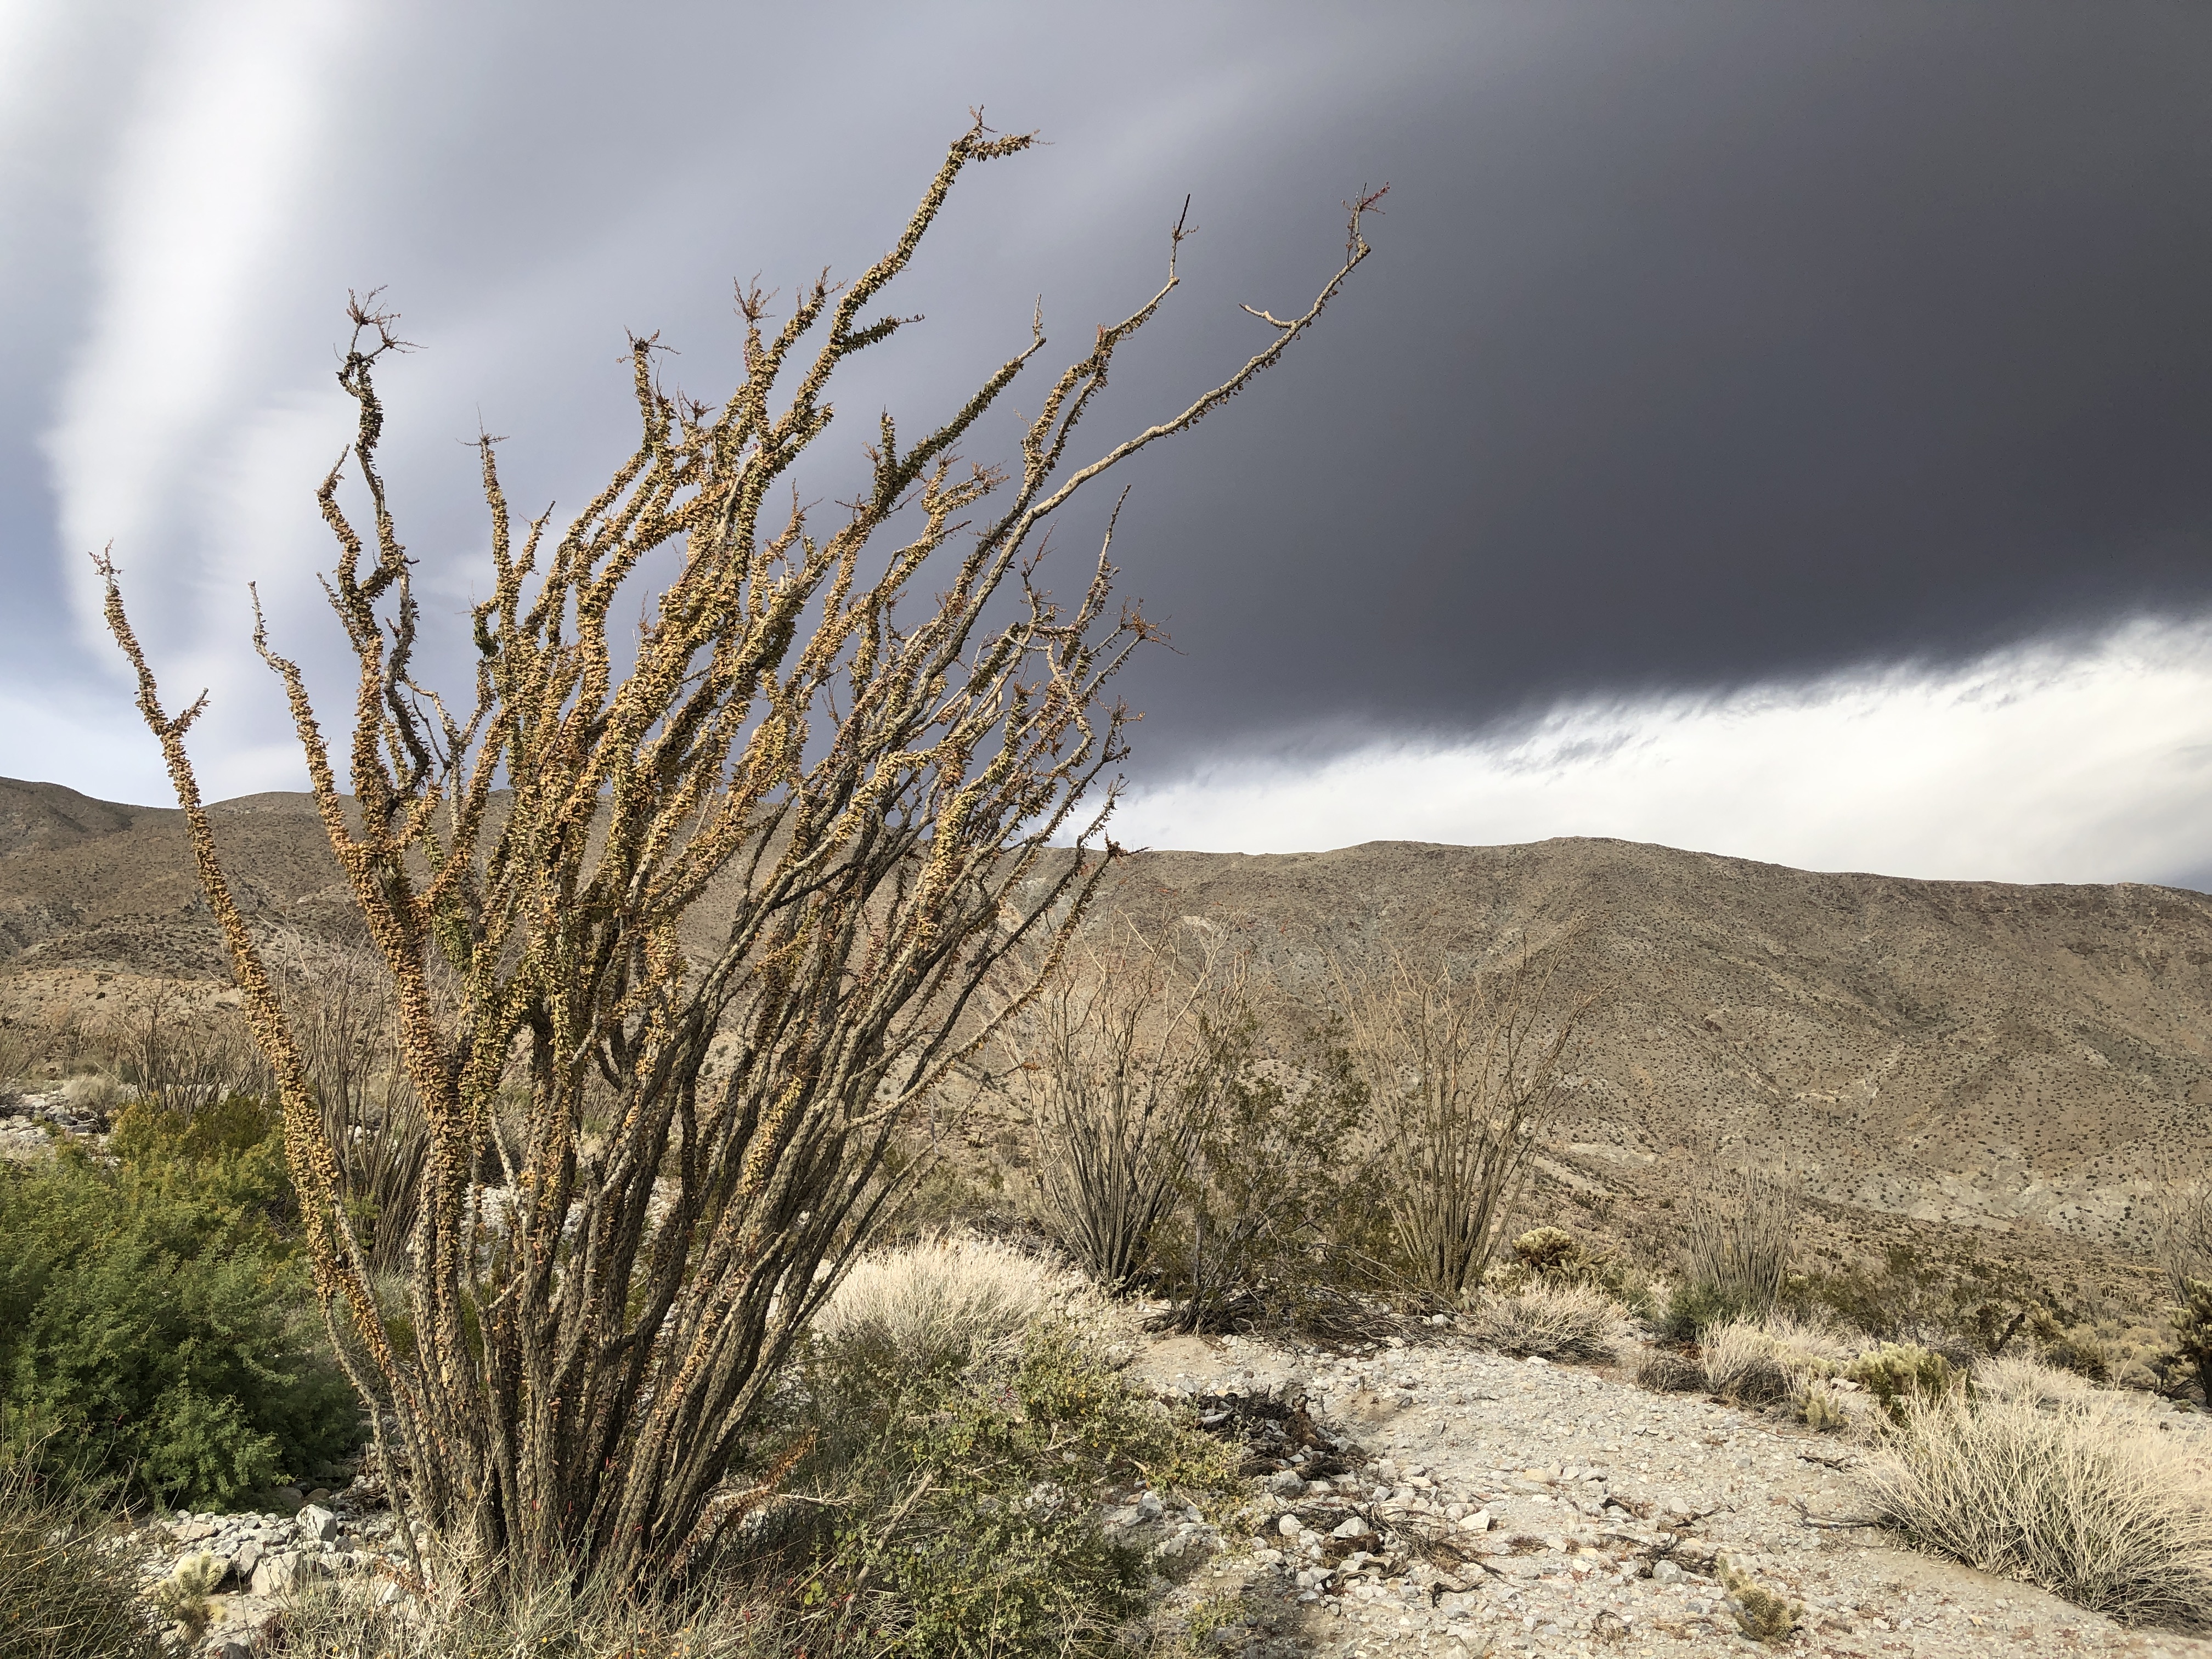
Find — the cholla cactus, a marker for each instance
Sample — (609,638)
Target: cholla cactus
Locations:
(2192,1324)
(182,1597)
(1901,1375)
(1545,1249)
(1761,1613)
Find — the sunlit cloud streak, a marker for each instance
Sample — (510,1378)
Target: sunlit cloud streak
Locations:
(2054,761)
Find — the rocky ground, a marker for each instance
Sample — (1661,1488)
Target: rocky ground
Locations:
(262,1558)
(31,1125)
(1467,1503)
(1431,1497)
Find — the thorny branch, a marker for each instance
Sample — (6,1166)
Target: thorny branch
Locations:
(676,951)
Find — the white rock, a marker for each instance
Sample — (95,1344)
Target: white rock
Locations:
(317,1523)
(1478,1522)
(1288,1525)
(1352,1527)
(280,1575)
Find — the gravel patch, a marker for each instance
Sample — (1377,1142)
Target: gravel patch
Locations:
(1489,1505)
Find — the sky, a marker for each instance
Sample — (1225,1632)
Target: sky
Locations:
(1776,430)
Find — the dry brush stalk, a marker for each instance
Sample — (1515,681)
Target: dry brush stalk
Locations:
(1466,1069)
(873,801)
(1101,1064)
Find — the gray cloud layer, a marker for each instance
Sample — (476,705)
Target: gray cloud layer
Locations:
(1706,344)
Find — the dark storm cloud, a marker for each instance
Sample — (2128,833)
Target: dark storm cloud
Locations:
(1722,343)
(1704,343)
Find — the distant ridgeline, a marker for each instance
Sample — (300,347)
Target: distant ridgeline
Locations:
(1971,1052)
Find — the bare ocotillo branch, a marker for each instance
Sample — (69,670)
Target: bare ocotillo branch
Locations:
(674,951)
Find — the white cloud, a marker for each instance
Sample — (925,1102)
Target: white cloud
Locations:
(206,187)
(2087,761)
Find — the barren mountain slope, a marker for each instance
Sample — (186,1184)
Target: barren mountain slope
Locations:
(2003,1056)
(1959,1051)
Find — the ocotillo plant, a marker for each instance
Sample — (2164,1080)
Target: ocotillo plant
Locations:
(867,800)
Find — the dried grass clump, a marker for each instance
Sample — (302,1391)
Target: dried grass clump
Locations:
(69,1586)
(2075,1494)
(1552,1321)
(550,1613)
(940,1306)
(2046,1387)
(1764,1362)
(1669,1371)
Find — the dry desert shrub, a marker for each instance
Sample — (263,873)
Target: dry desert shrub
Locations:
(1551,1320)
(2072,1493)
(551,1613)
(1740,1226)
(940,1306)
(1465,1067)
(1669,1371)
(68,1589)
(2046,1387)
(1764,1362)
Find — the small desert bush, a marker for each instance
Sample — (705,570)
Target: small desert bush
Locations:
(936,1307)
(2074,1493)
(2046,1387)
(555,1616)
(154,1323)
(1764,1362)
(944,1448)
(1669,1371)
(69,1584)
(1273,1219)
(1552,1319)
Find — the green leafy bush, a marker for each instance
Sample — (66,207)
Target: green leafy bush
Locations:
(950,1505)
(1694,1307)
(1271,1218)
(153,1321)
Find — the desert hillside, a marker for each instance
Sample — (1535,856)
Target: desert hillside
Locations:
(2013,1059)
